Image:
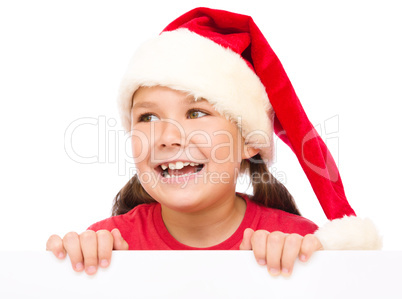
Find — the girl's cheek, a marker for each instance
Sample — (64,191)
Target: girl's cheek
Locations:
(222,154)
(140,146)
(224,149)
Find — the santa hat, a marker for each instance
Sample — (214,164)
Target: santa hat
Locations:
(224,58)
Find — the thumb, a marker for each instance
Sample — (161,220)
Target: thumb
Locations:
(246,243)
(118,242)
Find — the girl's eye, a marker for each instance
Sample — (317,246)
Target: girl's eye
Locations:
(192,114)
(148,117)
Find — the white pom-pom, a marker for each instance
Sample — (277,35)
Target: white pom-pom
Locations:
(349,233)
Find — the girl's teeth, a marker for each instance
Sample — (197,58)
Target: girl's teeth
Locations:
(178,165)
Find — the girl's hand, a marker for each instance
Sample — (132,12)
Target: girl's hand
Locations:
(278,250)
(87,250)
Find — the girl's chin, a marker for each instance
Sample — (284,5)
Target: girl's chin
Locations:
(182,205)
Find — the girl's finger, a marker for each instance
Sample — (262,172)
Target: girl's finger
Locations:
(89,247)
(71,242)
(290,253)
(309,245)
(55,245)
(259,244)
(246,242)
(275,245)
(118,242)
(105,247)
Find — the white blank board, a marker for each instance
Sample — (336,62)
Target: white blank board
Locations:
(202,274)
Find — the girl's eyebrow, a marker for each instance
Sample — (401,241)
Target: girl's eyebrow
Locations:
(153,104)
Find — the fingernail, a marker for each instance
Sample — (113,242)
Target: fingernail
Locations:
(104,263)
(262,262)
(90,270)
(274,271)
(60,255)
(303,258)
(79,267)
(285,271)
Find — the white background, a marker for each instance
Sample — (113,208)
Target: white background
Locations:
(61,61)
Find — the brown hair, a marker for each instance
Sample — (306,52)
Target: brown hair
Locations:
(268,191)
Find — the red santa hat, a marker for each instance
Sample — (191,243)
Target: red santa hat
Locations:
(224,58)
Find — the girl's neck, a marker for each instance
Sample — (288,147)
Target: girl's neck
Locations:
(206,228)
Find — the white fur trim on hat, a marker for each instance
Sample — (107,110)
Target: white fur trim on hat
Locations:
(185,61)
(349,233)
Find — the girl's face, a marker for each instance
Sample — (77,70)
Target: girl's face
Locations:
(187,155)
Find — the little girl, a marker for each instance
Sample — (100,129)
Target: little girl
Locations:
(202,101)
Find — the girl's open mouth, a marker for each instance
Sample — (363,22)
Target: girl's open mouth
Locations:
(179,169)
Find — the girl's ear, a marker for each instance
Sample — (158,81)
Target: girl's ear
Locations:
(249,151)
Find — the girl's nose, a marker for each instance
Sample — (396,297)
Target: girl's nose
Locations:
(171,134)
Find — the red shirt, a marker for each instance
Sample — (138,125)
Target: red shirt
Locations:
(143,227)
